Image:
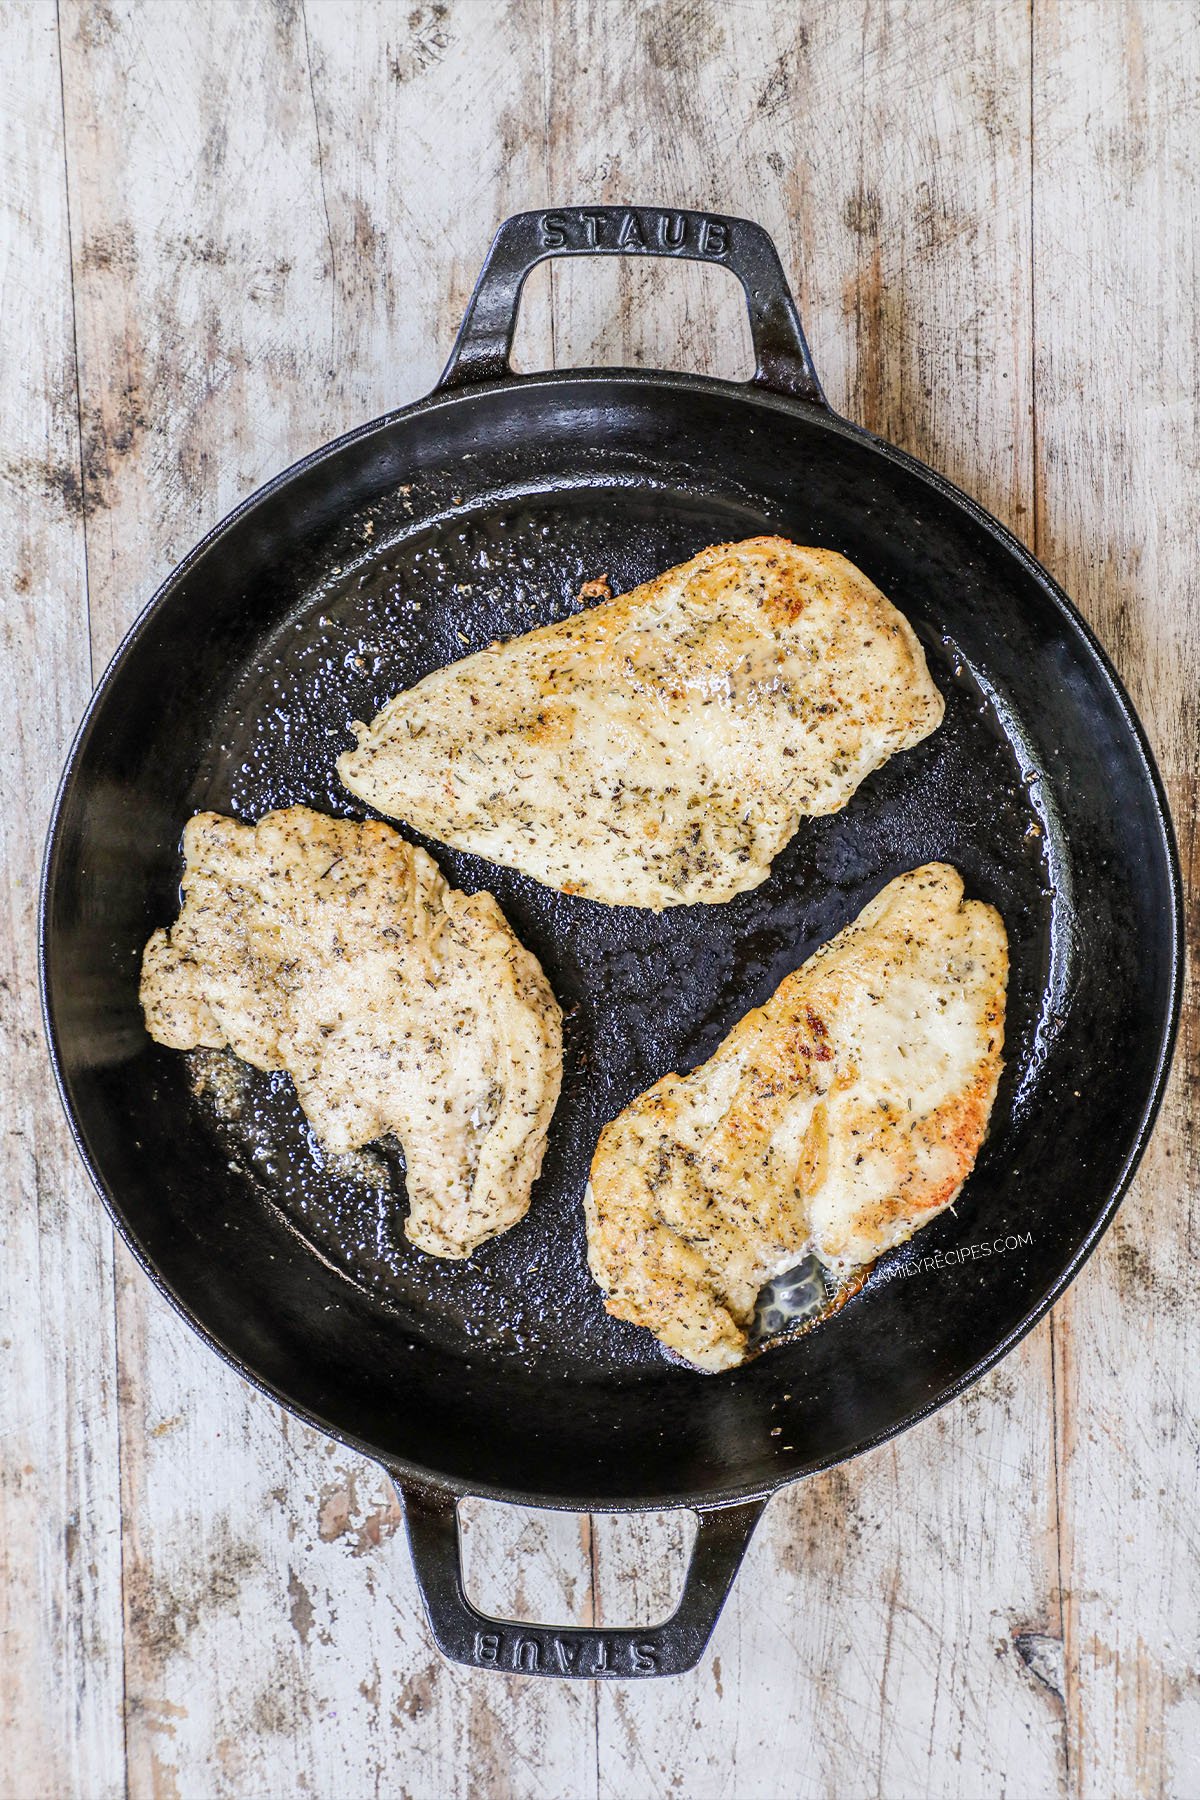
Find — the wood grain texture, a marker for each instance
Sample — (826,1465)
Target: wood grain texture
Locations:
(229,232)
(233,312)
(1118,512)
(60,1543)
(868,1641)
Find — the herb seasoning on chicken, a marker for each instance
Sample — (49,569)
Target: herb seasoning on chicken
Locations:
(336,951)
(834,1121)
(661,748)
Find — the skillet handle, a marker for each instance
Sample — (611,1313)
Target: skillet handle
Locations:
(465,1635)
(782,358)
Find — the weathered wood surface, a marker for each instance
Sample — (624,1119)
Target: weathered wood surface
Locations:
(60,1524)
(227,231)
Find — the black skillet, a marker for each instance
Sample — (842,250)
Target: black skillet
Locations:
(478,513)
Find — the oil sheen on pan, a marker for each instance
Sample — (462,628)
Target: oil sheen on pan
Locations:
(642,993)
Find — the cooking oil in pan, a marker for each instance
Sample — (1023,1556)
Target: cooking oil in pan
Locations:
(643,994)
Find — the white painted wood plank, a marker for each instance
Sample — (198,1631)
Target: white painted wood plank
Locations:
(872,1641)
(1116,204)
(60,1565)
(241,298)
(250,282)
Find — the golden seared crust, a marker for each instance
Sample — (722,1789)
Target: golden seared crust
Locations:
(836,1120)
(661,748)
(336,951)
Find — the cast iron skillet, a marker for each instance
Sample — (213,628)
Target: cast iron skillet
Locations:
(478,512)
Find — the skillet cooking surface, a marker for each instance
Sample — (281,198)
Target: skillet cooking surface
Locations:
(478,515)
(643,994)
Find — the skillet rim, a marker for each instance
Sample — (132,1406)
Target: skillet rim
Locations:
(663,381)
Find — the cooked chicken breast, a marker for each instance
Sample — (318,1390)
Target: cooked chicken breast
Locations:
(661,748)
(836,1120)
(336,951)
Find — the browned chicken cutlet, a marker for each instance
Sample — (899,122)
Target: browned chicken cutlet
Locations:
(336,951)
(661,748)
(836,1120)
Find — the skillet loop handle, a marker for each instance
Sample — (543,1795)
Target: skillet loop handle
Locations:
(782,359)
(465,1635)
